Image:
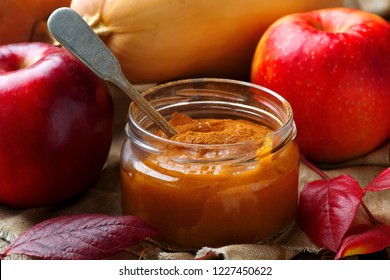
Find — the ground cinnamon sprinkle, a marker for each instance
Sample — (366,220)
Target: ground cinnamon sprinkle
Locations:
(215,131)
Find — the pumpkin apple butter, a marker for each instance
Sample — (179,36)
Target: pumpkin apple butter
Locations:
(217,182)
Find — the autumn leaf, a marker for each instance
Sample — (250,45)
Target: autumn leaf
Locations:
(381,182)
(85,236)
(327,208)
(364,239)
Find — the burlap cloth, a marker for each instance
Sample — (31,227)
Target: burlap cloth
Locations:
(104,197)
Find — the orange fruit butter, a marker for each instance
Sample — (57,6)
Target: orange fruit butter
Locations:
(221,184)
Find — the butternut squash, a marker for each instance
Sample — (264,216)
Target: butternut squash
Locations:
(162,40)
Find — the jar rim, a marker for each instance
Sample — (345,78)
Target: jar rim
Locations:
(286,125)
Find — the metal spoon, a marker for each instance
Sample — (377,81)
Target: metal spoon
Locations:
(73,33)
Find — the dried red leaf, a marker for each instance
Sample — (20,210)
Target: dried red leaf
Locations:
(89,236)
(327,208)
(364,239)
(381,182)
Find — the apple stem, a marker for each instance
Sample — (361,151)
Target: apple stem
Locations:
(314,168)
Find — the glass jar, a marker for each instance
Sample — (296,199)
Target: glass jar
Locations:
(199,195)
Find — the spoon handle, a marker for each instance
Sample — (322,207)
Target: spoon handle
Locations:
(73,33)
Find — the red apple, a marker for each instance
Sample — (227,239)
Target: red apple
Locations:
(56,125)
(333,66)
